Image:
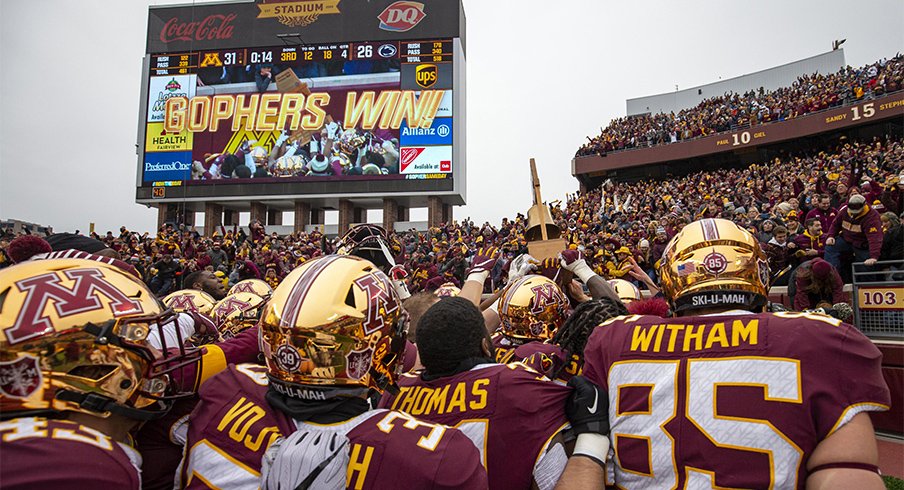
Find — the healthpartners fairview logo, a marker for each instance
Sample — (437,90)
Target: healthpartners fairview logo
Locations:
(295,13)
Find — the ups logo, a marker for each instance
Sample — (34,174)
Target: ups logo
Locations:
(425,75)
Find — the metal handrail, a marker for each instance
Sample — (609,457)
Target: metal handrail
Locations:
(875,272)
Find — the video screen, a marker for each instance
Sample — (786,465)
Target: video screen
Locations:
(353,111)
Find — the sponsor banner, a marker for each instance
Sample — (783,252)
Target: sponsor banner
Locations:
(422,76)
(425,159)
(157,139)
(227,25)
(445,105)
(439,133)
(161,89)
(166,166)
(401,16)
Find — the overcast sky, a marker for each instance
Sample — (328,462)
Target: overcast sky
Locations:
(541,76)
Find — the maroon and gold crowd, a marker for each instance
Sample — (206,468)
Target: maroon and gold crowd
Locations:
(810,93)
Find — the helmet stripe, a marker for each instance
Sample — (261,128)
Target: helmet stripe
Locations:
(710,230)
(301,288)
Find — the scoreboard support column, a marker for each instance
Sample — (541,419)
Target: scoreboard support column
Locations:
(230,217)
(213,218)
(258,212)
(346,215)
(302,216)
(318,216)
(434,211)
(274,217)
(390,214)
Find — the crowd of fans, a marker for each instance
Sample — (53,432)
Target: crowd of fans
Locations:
(794,205)
(810,93)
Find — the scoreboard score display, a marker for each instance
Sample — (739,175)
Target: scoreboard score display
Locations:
(286,98)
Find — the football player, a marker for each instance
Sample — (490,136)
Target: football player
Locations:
(206,282)
(513,414)
(333,331)
(75,378)
(725,396)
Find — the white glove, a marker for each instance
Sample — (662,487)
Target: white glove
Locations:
(521,266)
(572,260)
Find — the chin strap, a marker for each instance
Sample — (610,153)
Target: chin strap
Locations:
(101,404)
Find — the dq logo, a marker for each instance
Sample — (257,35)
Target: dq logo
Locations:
(211,59)
(425,75)
(401,16)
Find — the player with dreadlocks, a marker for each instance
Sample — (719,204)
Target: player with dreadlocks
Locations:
(563,356)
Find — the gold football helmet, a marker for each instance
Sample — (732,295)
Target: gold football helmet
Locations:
(255,286)
(532,308)
(447,289)
(713,263)
(237,312)
(88,352)
(334,327)
(190,300)
(626,291)
(259,155)
(372,243)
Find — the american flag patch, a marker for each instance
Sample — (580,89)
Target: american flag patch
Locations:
(686,268)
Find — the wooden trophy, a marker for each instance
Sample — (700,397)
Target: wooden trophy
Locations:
(544,239)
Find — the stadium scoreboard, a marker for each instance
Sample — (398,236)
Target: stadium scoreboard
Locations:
(375,88)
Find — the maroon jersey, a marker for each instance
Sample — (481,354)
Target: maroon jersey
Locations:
(43,453)
(548,359)
(733,400)
(230,429)
(505,348)
(160,448)
(509,411)
(375,450)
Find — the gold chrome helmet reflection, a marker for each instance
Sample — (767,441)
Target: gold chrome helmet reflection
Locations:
(259,155)
(447,289)
(237,312)
(334,327)
(714,262)
(75,340)
(626,291)
(255,286)
(532,308)
(190,300)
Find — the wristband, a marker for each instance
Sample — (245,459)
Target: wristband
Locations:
(593,446)
(582,271)
(401,289)
(480,277)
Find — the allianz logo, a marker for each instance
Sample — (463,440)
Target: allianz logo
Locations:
(442,131)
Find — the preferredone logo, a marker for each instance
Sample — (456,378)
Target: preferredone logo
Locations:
(426,75)
(165,167)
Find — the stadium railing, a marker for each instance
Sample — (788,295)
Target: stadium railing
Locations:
(878,299)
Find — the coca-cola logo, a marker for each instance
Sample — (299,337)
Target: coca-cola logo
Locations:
(212,27)
(401,16)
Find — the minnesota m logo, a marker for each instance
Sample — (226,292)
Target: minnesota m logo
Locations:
(81,298)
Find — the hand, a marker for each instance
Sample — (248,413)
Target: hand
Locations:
(830,241)
(484,260)
(870,262)
(576,291)
(792,245)
(521,266)
(812,252)
(569,259)
(587,408)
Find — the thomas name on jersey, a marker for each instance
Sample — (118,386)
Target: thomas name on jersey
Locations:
(458,398)
(669,337)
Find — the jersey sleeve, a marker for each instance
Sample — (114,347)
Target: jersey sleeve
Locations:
(594,367)
(460,467)
(850,352)
(64,457)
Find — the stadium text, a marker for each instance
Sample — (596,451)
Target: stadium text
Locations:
(667,337)
(272,111)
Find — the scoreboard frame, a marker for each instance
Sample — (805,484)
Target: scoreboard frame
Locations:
(261,39)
